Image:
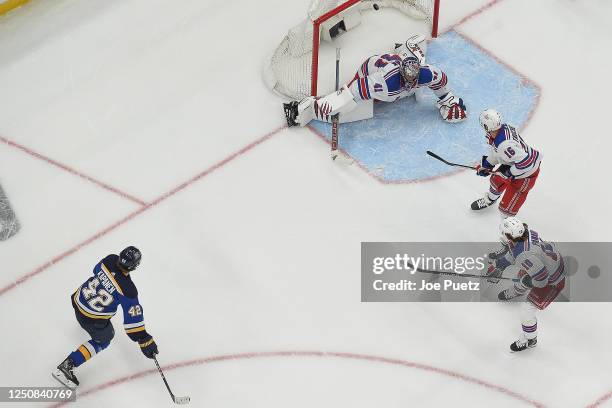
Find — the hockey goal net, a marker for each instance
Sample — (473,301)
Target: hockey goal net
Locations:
(292,70)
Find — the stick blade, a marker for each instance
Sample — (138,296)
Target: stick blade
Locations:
(339,157)
(181,400)
(432,154)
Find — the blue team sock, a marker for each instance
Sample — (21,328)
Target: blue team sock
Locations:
(86,351)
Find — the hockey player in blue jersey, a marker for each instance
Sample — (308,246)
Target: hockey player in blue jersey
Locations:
(387,78)
(95,302)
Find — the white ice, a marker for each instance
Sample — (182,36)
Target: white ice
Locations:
(261,254)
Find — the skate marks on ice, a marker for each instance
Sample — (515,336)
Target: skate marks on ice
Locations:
(9,225)
(392,145)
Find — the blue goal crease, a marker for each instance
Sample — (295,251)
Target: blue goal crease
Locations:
(392,145)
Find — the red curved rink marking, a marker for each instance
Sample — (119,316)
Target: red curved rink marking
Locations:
(600,401)
(351,356)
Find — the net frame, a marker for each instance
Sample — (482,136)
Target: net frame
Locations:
(295,43)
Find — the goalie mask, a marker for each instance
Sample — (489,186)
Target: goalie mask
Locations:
(410,69)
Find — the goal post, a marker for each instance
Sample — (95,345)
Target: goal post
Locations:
(292,70)
(316,25)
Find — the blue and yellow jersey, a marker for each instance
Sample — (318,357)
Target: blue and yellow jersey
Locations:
(100,296)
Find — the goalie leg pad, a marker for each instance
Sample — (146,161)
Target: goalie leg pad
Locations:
(335,103)
(323,108)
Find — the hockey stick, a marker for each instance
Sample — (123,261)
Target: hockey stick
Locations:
(463,275)
(336,117)
(435,156)
(336,155)
(176,400)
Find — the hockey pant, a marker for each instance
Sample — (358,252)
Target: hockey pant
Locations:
(515,192)
(101,332)
(538,299)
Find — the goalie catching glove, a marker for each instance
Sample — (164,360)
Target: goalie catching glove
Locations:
(452,109)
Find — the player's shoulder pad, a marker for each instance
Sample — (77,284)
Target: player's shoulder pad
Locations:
(392,57)
(385,61)
(502,136)
(125,281)
(426,75)
(110,261)
(429,73)
(128,286)
(519,248)
(534,236)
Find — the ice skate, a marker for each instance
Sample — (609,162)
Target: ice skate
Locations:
(481,203)
(65,375)
(523,344)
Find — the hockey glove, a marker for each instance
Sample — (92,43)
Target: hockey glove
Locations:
(485,168)
(483,171)
(524,280)
(504,169)
(452,109)
(148,347)
(493,273)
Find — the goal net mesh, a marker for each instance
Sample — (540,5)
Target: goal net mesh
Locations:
(288,71)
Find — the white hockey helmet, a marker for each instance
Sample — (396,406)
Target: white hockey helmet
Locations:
(490,120)
(511,228)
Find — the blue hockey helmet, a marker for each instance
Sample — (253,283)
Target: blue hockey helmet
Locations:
(129,258)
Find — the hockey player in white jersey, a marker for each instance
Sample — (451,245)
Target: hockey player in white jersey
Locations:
(519,166)
(540,271)
(387,78)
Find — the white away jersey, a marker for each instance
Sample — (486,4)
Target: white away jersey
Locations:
(508,147)
(380,78)
(535,257)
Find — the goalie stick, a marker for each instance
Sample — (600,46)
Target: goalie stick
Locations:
(335,153)
(336,117)
(176,400)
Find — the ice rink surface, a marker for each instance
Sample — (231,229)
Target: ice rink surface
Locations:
(146,122)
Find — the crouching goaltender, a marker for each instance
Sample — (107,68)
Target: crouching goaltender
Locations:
(387,78)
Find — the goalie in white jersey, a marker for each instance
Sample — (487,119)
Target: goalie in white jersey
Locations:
(387,78)
(538,268)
